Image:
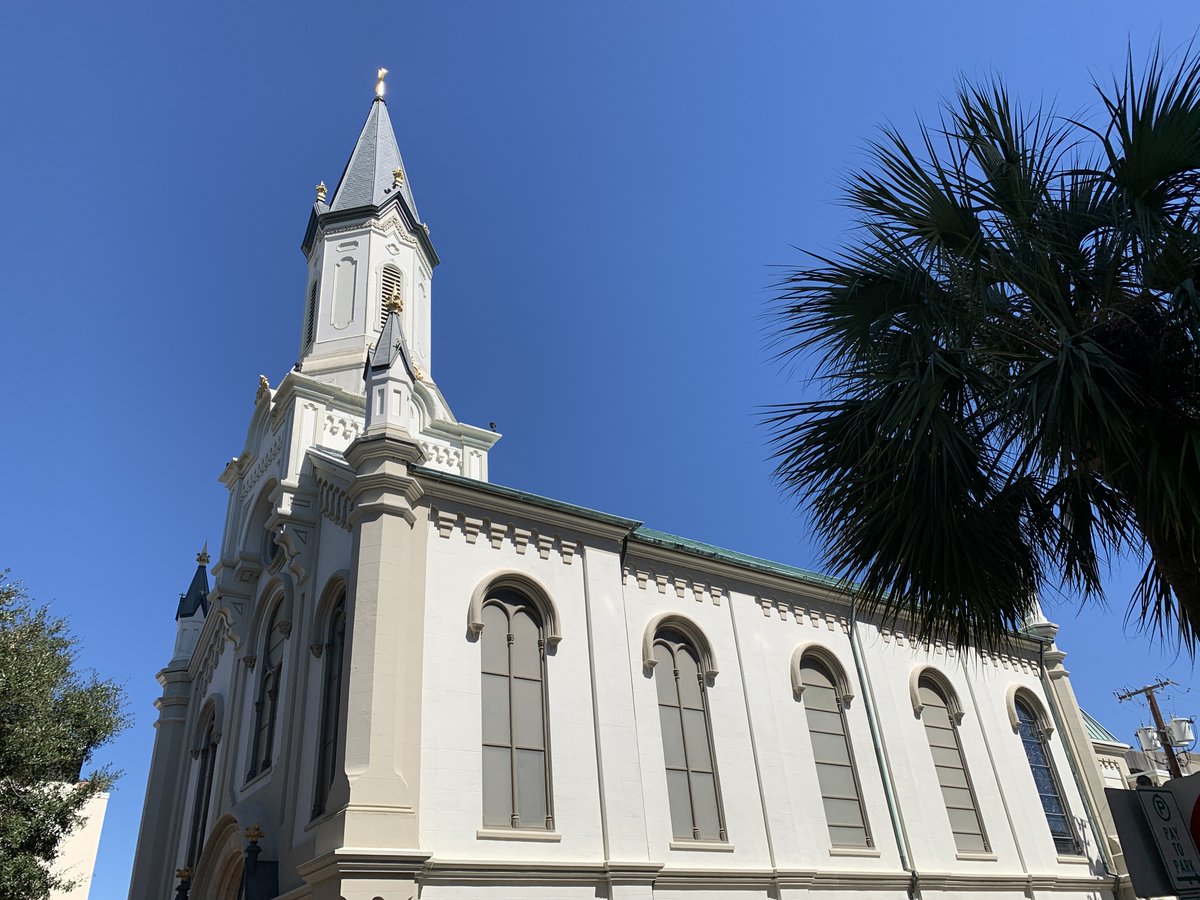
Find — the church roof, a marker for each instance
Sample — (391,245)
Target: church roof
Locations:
(196,596)
(369,177)
(1098,732)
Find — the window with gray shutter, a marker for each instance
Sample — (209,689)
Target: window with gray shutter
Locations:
(516,740)
(692,786)
(310,316)
(942,732)
(833,757)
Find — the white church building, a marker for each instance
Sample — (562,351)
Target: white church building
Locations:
(405,681)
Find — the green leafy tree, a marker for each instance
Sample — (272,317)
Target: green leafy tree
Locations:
(52,719)
(1008,396)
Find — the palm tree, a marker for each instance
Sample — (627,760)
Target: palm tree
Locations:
(1009,391)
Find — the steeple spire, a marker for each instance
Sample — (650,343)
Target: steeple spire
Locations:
(196,597)
(375,170)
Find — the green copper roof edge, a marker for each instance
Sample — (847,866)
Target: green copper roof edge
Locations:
(640,533)
(1098,732)
(711,551)
(536,499)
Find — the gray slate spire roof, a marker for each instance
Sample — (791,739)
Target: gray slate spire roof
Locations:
(196,596)
(368,179)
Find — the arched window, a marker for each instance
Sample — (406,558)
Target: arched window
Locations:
(833,756)
(1046,779)
(331,704)
(391,286)
(941,729)
(692,787)
(516,734)
(205,765)
(267,704)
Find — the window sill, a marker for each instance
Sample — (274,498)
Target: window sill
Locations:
(1072,859)
(517,834)
(261,776)
(976,856)
(871,852)
(708,846)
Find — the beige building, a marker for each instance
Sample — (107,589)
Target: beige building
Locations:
(408,681)
(76,858)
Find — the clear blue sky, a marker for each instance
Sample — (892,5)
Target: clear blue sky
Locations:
(610,187)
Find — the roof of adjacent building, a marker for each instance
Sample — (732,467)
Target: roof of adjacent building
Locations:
(1098,732)
(368,178)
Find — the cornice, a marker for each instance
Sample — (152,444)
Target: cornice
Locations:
(515,504)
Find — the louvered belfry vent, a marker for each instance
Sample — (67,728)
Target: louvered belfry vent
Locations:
(310,318)
(391,284)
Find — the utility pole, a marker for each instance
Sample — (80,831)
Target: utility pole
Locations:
(1164,736)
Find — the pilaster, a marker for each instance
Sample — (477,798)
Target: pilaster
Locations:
(377,794)
(1079,745)
(158,838)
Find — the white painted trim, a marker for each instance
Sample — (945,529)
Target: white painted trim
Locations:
(517,834)
(706,846)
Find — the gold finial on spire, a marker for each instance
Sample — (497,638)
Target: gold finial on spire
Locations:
(254,833)
(397,176)
(321,192)
(184,874)
(202,556)
(379,82)
(394,302)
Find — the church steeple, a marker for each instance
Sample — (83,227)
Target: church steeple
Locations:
(375,170)
(366,247)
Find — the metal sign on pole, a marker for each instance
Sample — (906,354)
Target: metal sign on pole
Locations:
(1173,838)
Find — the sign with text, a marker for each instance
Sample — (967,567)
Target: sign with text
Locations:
(1173,837)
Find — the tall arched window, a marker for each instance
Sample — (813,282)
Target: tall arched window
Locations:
(1046,779)
(692,787)
(516,734)
(205,765)
(267,704)
(833,756)
(331,704)
(941,729)
(391,287)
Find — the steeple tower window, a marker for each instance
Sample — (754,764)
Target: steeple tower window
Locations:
(310,315)
(391,290)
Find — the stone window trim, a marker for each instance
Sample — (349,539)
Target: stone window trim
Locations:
(696,638)
(213,711)
(528,587)
(699,756)
(269,674)
(931,680)
(822,662)
(1019,693)
(204,757)
(1066,840)
(832,664)
(331,690)
(943,686)
(513,604)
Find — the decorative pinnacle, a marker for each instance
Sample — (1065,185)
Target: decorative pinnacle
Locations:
(184,874)
(379,83)
(254,833)
(202,556)
(397,176)
(321,192)
(264,387)
(394,303)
